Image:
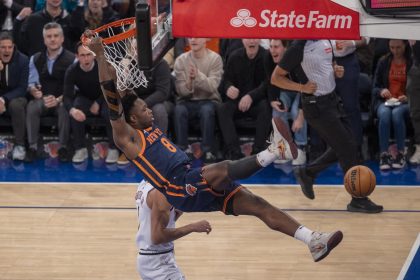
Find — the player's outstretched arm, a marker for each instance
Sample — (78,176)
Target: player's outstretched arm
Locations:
(160,218)
(122,131)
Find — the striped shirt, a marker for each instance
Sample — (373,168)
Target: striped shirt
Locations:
(311,60)
(318,67)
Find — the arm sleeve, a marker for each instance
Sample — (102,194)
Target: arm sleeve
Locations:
(379,79)
(211,82)
(260,92)
(33,73)
(181,77)
(69,92)
(228,75)
(292,58)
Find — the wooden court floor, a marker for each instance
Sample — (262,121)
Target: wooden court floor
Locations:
(83,231)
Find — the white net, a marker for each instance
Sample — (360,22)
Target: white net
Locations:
(122,55)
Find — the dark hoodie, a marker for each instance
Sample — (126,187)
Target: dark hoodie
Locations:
(14,77)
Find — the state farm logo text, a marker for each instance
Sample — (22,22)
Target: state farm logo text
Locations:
(269,18)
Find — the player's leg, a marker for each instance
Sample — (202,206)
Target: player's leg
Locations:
(282,146)
(320,244)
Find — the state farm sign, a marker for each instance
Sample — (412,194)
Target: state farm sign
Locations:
(311,19)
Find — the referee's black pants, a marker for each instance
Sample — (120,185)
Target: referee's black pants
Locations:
(325,114)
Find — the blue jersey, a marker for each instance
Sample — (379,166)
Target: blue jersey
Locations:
(167,169)
(159,158)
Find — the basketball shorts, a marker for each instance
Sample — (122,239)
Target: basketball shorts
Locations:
(158,267)
(198,196)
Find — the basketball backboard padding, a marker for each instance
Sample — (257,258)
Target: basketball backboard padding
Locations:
(154,32)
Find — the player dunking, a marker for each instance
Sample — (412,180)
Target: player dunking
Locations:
(211,188)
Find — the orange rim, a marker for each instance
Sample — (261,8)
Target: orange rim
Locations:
(118,37)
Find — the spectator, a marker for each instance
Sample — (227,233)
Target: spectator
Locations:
(29,32)
(347,87)
(413,94)
(390,101)
(158,93)
(244,88)
(227,46)
(14,71)
(286,104)
(91,17)
(198,73)
(9,9)
(83,98)
(46,79)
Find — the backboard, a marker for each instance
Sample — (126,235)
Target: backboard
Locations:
(154,31)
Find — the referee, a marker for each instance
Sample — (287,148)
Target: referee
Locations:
(312,63)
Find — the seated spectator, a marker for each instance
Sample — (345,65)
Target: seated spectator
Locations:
(14,71)
(244,89)
(286,104)
(83,98)
(28,32)
(46,80)
(91,16)
(227,46)
(198,73)
(390,105)
(413,94)
(158,93)
(10,9)
(347,87)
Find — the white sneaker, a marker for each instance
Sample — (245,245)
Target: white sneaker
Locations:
(415,158)
(282,144)
(19,152)
(80,155)
(112,156)
(322,243)
(301,158)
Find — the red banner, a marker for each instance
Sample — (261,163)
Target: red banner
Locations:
(287,19)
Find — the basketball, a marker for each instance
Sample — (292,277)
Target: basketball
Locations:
(359,181)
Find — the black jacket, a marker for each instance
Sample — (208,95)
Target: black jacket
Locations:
(53,83)
(381,79)
(28,34)
(16,77)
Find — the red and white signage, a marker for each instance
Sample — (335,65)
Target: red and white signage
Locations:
(282,19)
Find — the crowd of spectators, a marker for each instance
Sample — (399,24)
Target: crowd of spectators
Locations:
(44,70)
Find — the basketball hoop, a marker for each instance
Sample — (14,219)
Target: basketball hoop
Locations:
(120,49)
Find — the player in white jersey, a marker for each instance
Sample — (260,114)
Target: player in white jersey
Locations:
(156,233)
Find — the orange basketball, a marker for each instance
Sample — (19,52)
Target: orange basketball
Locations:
(359,181)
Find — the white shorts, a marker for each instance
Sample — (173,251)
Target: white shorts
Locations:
(158,267)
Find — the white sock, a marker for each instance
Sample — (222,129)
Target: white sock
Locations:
(265,158)
(303,234)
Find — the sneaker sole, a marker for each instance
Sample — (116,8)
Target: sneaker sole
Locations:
(361,210)
(281,127)
(332,243)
